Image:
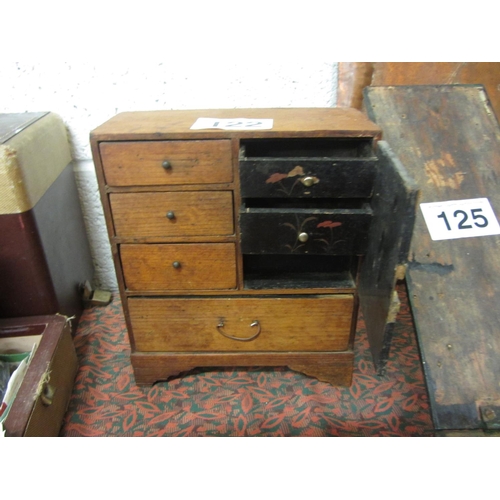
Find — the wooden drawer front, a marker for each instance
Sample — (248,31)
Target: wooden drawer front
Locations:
(335,232)
(286,324)
(190,162)
(201,266)
(300,178)
(195,213)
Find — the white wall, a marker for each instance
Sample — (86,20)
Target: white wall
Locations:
(87,94)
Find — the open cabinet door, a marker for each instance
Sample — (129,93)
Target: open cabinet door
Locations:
(393,203)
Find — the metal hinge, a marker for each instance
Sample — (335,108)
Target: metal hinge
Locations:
(490,415)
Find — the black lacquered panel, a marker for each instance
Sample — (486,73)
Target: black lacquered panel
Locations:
(305,231)
(306,178)
(307,168)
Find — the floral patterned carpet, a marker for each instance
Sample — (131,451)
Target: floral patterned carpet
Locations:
(243,402)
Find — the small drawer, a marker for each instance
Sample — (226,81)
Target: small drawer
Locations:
(305,231)
(291,324)
(153,163)
(307,168)
(304,178)
(190,266)
(194,213)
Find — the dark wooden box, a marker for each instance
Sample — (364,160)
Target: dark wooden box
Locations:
(42,399)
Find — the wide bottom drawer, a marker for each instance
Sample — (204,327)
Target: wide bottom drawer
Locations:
(251,324)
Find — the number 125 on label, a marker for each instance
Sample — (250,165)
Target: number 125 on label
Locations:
(448,220)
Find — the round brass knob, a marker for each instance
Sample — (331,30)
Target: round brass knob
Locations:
(303,237)
(176,264)
(170,215)
(166,165)
(308,181)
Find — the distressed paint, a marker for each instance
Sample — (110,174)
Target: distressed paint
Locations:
(440,172)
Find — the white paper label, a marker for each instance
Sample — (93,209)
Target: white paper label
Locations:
(448,220)
(233,123)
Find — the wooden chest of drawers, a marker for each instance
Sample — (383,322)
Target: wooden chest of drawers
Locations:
(245,247)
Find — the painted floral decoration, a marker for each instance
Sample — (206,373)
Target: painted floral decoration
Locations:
(329,223)
(297,171)
(276,178)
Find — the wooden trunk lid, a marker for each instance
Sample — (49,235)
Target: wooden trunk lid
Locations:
(449,140)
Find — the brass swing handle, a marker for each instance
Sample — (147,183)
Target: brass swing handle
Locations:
(220,326)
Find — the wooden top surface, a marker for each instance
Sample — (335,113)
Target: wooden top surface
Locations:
(137,125)
(449,140)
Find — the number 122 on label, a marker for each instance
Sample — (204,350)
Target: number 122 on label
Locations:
(449,220)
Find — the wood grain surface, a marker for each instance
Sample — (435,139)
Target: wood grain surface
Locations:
(287,323)
(449,139)
(192,213)
(289,122)
(336,368)
(201,266)
(355,76)
(142,163)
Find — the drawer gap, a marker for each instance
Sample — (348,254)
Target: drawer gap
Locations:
(313,204)
(307,148)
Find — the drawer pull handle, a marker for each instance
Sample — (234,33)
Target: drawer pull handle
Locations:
(166,165)
(170,215)
(220,326)
(303,237)
(309,181)
(176,264)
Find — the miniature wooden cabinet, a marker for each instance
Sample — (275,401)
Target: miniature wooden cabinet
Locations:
(245,247)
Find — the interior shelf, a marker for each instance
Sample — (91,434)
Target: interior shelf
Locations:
(297,272)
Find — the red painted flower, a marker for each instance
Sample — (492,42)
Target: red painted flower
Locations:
(329,223)
(276,178)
